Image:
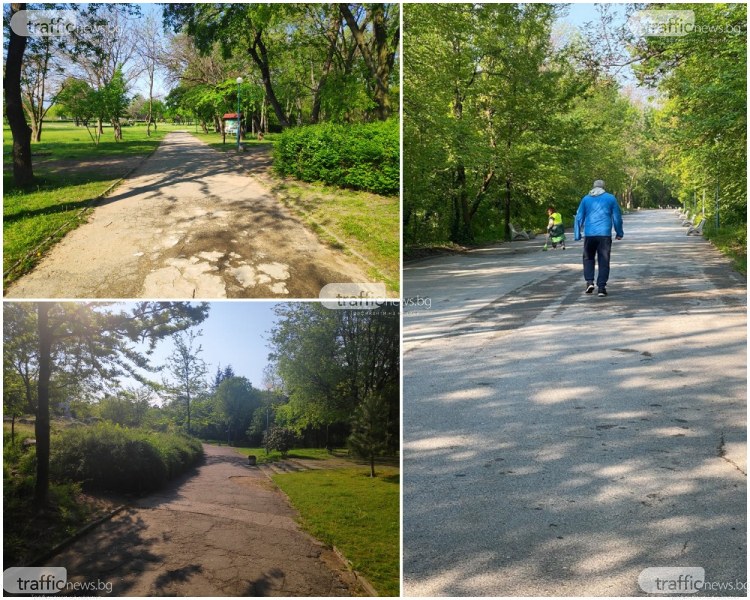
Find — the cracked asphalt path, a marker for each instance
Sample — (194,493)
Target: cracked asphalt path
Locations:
(223,531)
(188,224)
(557,443)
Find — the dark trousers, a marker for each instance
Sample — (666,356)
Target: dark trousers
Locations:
(597,248)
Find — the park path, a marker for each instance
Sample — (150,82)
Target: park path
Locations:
(223,531)
(188,223)
(557,443)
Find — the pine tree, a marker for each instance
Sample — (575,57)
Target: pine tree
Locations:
(369,436)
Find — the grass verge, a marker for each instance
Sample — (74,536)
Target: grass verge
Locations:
(354,512)
(732,242)
(361,224)
(70,174)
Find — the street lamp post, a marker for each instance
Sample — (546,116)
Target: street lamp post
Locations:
(239,121)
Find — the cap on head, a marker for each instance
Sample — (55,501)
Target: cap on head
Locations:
(599,184)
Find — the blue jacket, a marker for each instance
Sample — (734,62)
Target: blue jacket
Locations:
(597,214)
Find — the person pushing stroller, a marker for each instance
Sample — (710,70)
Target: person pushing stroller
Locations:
(555,229)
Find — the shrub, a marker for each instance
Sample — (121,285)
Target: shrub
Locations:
(110,457)
(281,439)
(362,156)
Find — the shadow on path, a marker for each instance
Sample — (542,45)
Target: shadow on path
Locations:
(557,443)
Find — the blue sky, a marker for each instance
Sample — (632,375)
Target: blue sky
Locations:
(235,333)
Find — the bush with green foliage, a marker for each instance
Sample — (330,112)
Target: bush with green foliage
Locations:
(281,439)
(361,156)
(115,458)
(370,429)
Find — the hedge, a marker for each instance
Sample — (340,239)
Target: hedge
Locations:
(361,156)
(110,457)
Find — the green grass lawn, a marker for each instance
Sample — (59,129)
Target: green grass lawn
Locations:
(364,224)
(357,514)
(70,172)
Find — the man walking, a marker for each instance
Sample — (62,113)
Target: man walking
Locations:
(597,214)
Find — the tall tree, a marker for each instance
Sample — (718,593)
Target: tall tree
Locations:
(380,52)
(150,51)
(238,400)
(240,28)
(187,370)
(40,80)
(370,429)
(501,119)
(104,52)
(23,172)
(701,125)
(330,361)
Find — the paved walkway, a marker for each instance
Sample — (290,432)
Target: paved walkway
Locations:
(187,224)
(557,443)
(225,531)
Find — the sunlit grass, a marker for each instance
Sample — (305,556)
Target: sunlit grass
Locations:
(36,218)
(354,512)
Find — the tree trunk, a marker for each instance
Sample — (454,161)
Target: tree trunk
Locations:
(381,63)
(150,103)
(23,173)
(332,34)
(41,426)
(117,129)
(372,465)
(259,55)
(464,224)
(13,428)
(508,187)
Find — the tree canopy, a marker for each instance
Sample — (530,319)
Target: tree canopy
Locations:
(503,116)
(306,62)
(331,361)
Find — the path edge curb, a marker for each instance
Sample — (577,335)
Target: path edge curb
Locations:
(360,578)
(77,535)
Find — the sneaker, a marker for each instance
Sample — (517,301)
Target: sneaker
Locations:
(589,288)
(602,292)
